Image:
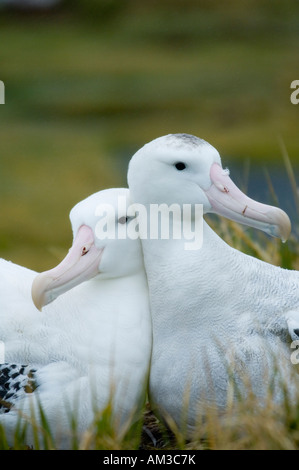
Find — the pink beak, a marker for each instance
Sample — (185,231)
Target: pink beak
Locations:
(227,200)
(80,264)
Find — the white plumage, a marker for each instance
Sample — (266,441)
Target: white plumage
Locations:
(90,345)
(216,312)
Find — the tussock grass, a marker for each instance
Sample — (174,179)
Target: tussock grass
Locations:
(246,424)
(102,434)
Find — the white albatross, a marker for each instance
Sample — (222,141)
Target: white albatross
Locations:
(92,344)
(215,310)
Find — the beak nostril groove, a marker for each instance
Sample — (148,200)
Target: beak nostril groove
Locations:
(84,251)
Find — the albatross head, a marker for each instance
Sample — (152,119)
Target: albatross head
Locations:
(100,247)
(183,169)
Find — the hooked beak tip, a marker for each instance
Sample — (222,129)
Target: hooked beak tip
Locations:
(285,227)
(226,199)
(73,270)
(37,293)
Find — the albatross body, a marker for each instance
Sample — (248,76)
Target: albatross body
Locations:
(217,313)
(91,345)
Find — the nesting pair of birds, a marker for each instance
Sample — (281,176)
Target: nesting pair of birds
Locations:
(149,308)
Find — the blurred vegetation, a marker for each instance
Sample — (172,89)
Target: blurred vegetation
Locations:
(89,82)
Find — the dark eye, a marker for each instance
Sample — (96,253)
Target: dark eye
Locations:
(180,166)
(123,220)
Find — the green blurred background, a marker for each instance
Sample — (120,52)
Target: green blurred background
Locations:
(90,81)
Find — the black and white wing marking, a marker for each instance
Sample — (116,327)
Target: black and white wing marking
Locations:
(15,382)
